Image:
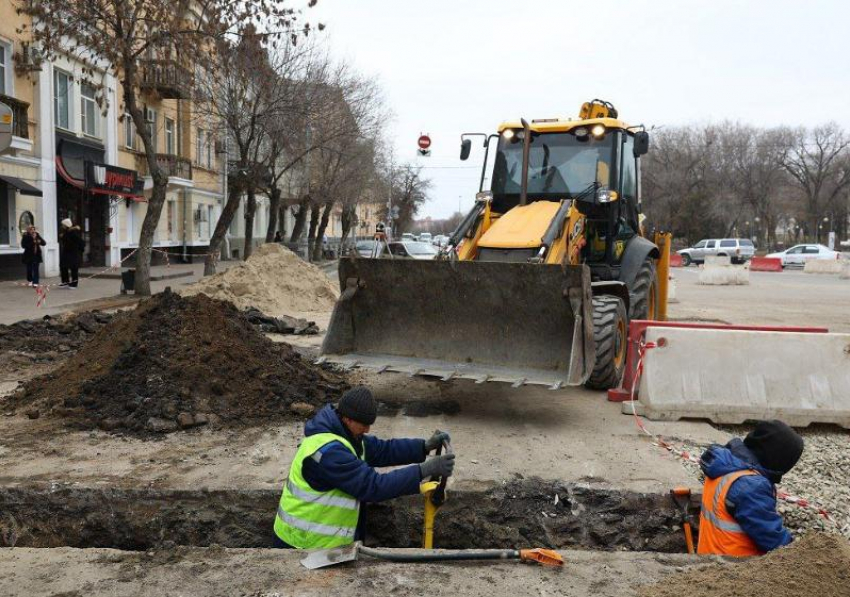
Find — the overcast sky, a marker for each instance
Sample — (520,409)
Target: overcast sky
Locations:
(449,67)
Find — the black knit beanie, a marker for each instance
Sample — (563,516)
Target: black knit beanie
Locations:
(358,404)
(776,445)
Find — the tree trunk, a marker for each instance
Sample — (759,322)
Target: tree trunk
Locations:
(160,182)
(314,224)
(143,256)
(282,218)
(318,243)
(300,220)
(250,210)
(230,208)
(348,219)
(274,207)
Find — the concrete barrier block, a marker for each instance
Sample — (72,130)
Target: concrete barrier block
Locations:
(845,275)
(675,260)
(717,260)
(671,290)
(765,264)
(731,376)
(724,275)
(825,266)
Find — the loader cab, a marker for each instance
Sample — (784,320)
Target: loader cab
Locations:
(594,162)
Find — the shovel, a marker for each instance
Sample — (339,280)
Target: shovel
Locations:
(350,553)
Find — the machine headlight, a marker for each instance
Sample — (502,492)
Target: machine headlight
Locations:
(484,196)
(581,132)
(603,195)
(508,134)
(598,131)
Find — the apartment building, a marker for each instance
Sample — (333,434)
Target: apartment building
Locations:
(76,155)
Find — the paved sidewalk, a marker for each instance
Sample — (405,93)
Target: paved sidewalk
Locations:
(18,302)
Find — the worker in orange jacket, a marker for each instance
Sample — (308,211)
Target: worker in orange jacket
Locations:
(739,516)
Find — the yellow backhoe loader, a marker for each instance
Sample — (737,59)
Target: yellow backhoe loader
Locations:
(538,282)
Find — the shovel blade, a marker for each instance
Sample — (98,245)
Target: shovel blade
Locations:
(330,557)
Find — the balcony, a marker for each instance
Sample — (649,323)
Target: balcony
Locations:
(167,78)
(20,116)
(173,165)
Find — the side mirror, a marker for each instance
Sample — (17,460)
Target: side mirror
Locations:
(465,148)
(641,143)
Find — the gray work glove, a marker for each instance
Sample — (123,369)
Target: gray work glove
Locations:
(437,466)
(436,440)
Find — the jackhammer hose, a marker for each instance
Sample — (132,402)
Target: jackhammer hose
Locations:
(448,556)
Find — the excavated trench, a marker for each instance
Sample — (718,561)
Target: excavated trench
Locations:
(524,513)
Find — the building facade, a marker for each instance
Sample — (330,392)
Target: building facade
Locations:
(76,155)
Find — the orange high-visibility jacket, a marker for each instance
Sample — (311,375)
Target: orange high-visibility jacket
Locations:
(719,532)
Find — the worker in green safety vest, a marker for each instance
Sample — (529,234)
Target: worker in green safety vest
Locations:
(333,473)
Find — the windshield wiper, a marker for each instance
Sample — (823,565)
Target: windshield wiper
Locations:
(587,192)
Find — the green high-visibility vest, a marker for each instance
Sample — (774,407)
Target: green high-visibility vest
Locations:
(308,519)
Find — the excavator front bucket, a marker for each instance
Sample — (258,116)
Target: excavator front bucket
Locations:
(518,323)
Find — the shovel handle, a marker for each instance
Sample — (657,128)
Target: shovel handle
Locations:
(441,556)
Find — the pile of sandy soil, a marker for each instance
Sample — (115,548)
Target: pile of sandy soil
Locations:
(818,564)
(175,363)
(274,280)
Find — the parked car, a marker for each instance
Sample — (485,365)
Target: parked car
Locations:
(364,248)
(798,255)
(738,250)
(425,237)
(413,250)
(440,240)
(408,237)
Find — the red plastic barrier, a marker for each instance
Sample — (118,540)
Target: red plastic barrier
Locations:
(637,331)
(675,260)
(765,264)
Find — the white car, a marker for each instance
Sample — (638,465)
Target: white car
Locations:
(413,250)
(425,237)
(798,255)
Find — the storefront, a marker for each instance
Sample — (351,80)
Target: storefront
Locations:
(88,193)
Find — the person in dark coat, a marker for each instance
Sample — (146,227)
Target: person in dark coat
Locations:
(739,516)
(32,242)
(71,247)
(342,469)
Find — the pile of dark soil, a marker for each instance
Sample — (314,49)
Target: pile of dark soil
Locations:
(175,363)
(818,564)
(50,338)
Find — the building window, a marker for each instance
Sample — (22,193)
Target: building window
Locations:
(150,120)
(201,144)
(210,146)
(90,115)
(62,99)
(129,132)
(5,69)
(5,220)
(169,136)
(170,223)
(210,226)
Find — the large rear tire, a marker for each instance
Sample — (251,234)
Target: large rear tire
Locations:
(610,335)
(645,293)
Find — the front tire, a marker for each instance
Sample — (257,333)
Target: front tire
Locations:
(610,337)
(644,293)
(686,260)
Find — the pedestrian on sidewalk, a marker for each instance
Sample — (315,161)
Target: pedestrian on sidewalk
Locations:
(332,474)
(32,258)
(739,516)
(71,247)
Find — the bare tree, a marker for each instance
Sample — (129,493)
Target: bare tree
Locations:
(143,41)
(819,163)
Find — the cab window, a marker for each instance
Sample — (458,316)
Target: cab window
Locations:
(700,245)
(629,170)
(711,244)
(795,250)
(811,250)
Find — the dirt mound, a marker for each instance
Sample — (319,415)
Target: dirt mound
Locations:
(818,564)
(181,362)
(274,280)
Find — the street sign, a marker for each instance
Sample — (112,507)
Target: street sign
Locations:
(424,141)
(6,127)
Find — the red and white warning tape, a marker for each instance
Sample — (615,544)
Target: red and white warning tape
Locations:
(42,290)
(659,441)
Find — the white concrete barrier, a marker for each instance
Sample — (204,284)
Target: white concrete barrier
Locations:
(671,290)
(826,266)
(717,260)
(730,376)
(724,275)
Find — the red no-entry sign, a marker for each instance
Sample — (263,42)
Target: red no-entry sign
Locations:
(424,142)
